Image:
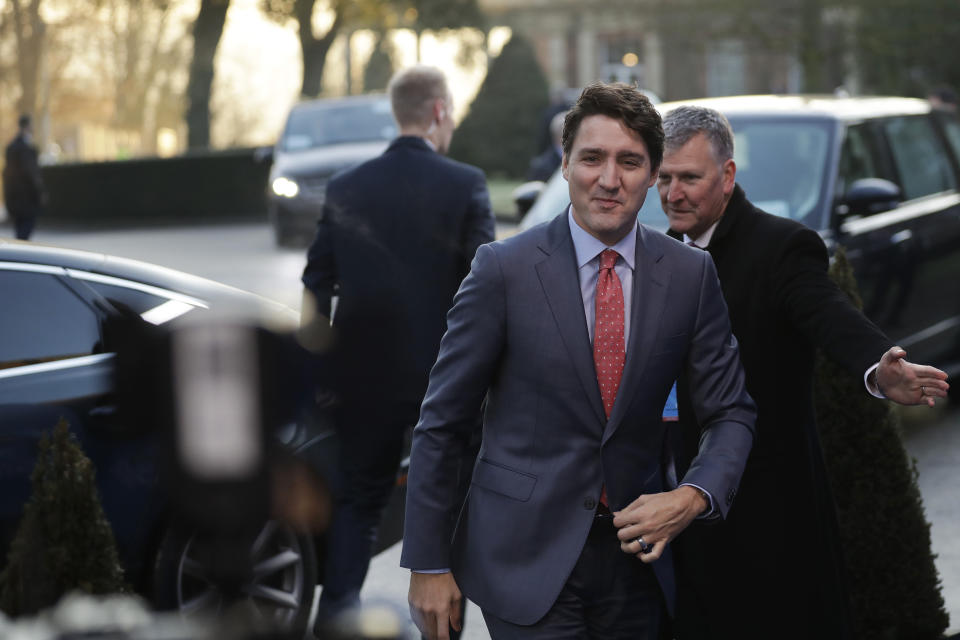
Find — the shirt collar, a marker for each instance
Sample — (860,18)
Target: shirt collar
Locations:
(587,247)
(703,240)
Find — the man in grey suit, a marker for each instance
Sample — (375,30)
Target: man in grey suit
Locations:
(573,333)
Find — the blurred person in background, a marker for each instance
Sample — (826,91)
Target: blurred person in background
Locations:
(943,98)
(773,567)
(559,103)
(395,240)
(23,191)
(543,166)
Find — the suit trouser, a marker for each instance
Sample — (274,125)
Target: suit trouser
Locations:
(371,446)
(609,594)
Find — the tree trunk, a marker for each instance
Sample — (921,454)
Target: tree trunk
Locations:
(206,36)
(313,49)
(29,30)
(811,47)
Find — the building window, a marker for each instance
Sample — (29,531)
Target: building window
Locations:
(621,59)
(726,68)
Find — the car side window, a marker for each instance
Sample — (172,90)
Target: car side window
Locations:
(43,320)
(857,157)
(126,298)
(952,128)
(919,156)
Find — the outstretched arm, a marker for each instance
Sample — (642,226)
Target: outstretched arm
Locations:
(908,383)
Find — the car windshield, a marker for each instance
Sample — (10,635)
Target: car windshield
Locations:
(319,124)
(781,164)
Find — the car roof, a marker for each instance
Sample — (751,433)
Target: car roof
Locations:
(827,106)
(320,103)
(135,270)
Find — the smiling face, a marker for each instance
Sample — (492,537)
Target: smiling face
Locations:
(694,186)
(608,169)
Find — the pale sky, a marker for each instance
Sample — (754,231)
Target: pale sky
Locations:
(258,70)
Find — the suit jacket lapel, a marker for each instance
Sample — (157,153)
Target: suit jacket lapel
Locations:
(561,285)
(650,281)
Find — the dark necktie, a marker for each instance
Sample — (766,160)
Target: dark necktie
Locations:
(608,344)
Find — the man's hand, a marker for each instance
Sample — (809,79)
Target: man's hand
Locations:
(434,600)
(908,383)
(657,518)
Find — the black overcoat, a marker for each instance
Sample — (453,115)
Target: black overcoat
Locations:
(773,568)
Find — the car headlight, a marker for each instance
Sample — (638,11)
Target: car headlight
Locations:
(285,187)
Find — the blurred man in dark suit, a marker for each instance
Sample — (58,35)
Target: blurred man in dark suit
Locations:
(22,185)
(772,568)
(396,238)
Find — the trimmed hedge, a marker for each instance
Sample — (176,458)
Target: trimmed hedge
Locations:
(499,133)
(64,541)
(893,582)
(197,188)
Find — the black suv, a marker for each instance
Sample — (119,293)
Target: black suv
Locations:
(320,138)
(879,176)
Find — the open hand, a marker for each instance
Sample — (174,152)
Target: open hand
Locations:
(908,383)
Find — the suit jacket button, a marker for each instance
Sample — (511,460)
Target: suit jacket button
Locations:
(589,504)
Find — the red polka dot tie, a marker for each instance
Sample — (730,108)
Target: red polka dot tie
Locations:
(608,347)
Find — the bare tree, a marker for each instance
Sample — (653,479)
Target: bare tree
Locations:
(30,35)
(206,36)
(313,47)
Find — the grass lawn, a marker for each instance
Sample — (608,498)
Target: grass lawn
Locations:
(500,196)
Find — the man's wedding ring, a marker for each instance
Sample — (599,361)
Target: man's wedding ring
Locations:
(644,547)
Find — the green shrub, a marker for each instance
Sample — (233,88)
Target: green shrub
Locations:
(893,582)
(499,133)
(63,542)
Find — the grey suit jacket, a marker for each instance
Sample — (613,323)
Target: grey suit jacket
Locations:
(517,337)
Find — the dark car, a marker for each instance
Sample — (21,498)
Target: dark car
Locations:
(320,138)
(57,361)
(878,176)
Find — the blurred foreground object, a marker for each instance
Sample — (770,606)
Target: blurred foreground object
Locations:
(244,509)
(125,617)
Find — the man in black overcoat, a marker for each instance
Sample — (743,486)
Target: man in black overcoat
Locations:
(23,192)
(396,237)
(772,569)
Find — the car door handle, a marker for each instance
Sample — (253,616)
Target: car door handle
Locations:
(103,412)
(901,236)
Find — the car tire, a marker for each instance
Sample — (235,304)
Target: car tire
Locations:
(284,569)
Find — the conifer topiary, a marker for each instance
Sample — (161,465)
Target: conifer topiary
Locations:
(63,542)
(499,133)
(893,583)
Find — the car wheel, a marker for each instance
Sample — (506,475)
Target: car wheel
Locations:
(283,576)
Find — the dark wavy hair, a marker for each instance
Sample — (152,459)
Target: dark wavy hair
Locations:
(621,102)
